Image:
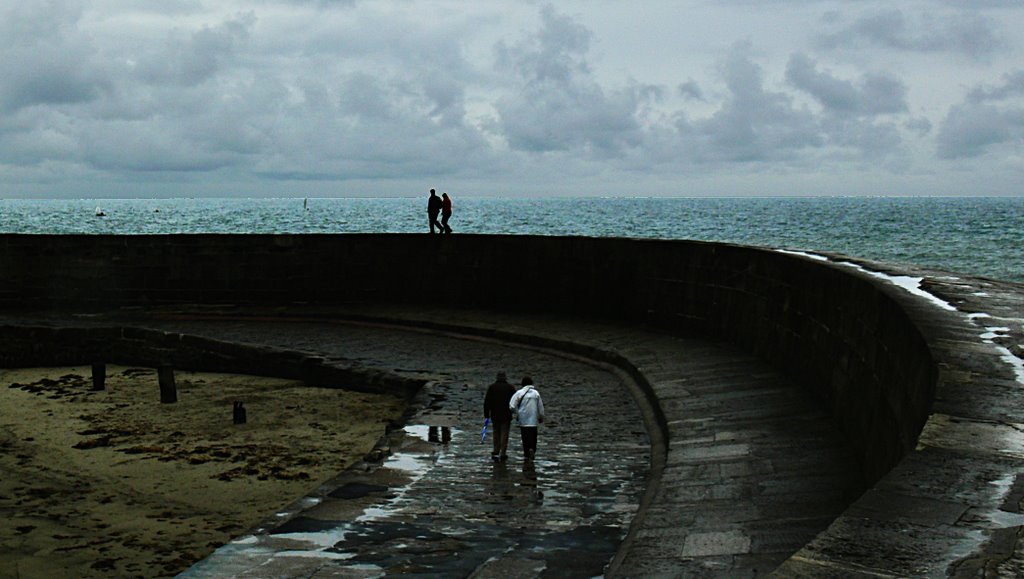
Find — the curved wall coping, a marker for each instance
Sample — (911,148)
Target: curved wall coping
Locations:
(843,336)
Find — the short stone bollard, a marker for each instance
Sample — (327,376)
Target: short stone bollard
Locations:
(239,414)
(168,390)
(99,376)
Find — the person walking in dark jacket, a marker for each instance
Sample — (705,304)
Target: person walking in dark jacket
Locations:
(496,409)
(434,204)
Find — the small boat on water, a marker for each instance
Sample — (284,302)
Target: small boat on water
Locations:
(100,213)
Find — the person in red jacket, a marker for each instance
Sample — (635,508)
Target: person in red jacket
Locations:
(446,212)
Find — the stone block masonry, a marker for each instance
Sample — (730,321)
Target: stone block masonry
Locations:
(843,336)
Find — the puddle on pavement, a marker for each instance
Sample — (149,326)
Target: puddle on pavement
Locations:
(413,463)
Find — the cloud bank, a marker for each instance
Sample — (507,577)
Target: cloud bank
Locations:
(340,98)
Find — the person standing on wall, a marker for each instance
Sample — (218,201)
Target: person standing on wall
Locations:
(446,212)
(528,408)
(433,208)
(496,409)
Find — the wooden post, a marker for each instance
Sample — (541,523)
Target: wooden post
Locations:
(99,376)
(239,415)
(168,390)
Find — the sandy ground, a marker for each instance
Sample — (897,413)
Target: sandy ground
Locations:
(116,484)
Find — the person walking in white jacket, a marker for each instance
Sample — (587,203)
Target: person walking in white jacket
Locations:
(528,408)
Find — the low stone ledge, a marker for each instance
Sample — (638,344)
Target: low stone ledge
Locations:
(29,346)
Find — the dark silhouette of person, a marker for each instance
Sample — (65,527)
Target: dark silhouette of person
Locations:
(434,204)
(496,409)
(446,212)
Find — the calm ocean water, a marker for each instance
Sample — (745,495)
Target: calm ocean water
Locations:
(979,236)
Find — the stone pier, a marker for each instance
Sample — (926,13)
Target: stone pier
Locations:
(759,411)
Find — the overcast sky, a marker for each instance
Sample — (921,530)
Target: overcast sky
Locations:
(337,98)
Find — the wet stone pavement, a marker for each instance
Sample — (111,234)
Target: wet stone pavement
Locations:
(429,501)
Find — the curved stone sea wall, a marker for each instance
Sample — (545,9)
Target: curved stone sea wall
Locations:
(925,383)
(851,340)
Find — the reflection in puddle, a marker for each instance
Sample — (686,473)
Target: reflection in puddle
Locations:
(418,430)
(322,539)
(445,436)
(406,462)
(436,434)
(318,554)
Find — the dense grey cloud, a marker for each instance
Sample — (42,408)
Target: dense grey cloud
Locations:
(1011,86)
(990,118)
(190,58)
(556,104)
(874,94)
(691,90)
(963,31)
(375,98)
(753,124)
(43,60)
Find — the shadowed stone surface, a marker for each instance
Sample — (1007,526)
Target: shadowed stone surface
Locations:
(438,508)
(758,471)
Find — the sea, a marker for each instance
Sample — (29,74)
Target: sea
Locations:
(980,236)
